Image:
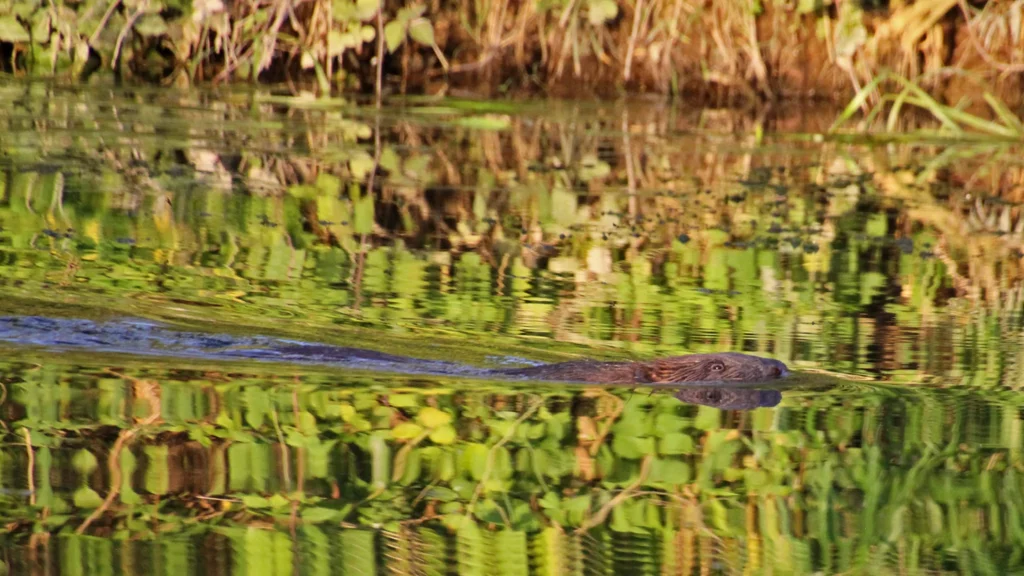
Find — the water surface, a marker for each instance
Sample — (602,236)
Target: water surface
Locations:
(887,275)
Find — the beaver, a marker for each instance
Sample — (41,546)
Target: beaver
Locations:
(143,337)
(713,367)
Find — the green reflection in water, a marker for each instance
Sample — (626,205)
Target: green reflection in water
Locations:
(897,269)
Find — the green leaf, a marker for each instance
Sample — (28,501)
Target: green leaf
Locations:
(708,418)
(151,25)
(455,522)
(363,218)
(278,501)
(348,412)
(410,12)
(433,418)
(632,448)
(417,166)
(440,493)
(56,519)
(550,501)
(474,459)
(84,461)
(41,26)
(318,514)
(327,184)
(367,9)
(487,510)
(336,43)
(306,423)
(756,479)
(671,472)
(676,443)
(422,31)
(303,191)
(86,497)
(394,35)
(404,400)
(620,520)
(255,501)
(23,10)
(406,430)
(12,31)
(360,164)
(443,435)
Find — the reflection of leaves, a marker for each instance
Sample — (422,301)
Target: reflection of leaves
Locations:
(151,25)
(84,462)
(360,164)
(676,443)
(487,510)
(443,435)
(363,215)
(328,184)
(432,417)
(406,431)
(592,168)
(255,501)
(389,159)
(86,497)
(440,493)
(12,31)
(316,515)
(631,447)
(708,418)
(474,459)
(416,167)
(669,472)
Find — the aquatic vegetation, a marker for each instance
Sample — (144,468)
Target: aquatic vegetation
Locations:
(537,232)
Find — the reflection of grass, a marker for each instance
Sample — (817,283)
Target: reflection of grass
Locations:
(953,120)
(439,255)
(854,469)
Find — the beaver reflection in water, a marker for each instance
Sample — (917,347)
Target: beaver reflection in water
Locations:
(717,367)
(725,398)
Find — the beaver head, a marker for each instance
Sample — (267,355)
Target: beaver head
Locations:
(718,367)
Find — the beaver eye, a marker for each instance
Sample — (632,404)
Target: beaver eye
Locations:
(717,367)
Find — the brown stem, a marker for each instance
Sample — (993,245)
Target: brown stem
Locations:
(981,49)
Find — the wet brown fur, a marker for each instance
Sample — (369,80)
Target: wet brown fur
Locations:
(717,367)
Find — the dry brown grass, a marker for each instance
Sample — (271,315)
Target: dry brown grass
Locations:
(731,50)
